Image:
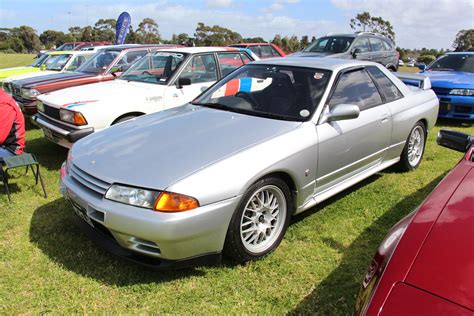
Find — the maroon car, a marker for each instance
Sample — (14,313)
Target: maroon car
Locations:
(262,50)
(425,265)
(105,65)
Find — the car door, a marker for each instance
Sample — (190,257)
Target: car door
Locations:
(349,147)
(202,71)
(363,48)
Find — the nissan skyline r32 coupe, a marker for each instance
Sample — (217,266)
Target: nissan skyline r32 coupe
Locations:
(224,173)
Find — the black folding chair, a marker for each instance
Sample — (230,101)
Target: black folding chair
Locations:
(25,160)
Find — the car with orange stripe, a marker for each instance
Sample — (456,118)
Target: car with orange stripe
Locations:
(160,80)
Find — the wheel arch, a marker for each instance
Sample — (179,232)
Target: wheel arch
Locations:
(135,114)
(290,182)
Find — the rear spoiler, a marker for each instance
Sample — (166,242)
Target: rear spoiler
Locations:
(417,80)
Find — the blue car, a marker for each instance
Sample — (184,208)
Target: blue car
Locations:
(452,79)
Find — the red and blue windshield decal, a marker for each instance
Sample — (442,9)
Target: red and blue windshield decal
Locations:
(246,84)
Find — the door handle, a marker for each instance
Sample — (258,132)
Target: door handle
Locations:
(369,58)
(384,118)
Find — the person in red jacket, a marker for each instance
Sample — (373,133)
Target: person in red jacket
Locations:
(12,127)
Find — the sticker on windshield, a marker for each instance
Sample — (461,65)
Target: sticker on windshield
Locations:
(242,85)
(318,75)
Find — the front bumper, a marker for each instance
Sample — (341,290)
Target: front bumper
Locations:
(456,107)
(157,239)
(28,107)
(60,134)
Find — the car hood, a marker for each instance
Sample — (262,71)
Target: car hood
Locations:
(445,263)
(56,77)
(20,78)
(450,79)
(157,150)
(109,91)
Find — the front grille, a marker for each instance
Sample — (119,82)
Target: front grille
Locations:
(88,181)
(443,106)
(16,90)
(7,87)
(441,91)
(51,111)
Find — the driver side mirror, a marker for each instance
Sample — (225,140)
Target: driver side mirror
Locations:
(183,82)
(343,112)
(354,52)
(455,140)
(422,67)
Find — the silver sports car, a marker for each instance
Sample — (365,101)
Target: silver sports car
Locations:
(225,173)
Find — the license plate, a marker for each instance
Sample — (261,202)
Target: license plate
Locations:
(82,213)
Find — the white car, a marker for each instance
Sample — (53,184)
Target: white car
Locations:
(61,61)
(159,81)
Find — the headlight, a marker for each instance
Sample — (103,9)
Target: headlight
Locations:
(29,93)
(72,117)
(156,200)
(133,196)
(468,92)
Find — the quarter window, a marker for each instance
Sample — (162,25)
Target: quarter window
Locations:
(387,45)
(389,90)
(266,51)
(229,62)
(356,87)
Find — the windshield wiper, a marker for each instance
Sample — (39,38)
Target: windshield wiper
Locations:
(215,105)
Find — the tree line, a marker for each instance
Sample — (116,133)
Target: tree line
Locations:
(24,39)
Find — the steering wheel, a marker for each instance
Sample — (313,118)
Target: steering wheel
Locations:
(248,97)
(145,72)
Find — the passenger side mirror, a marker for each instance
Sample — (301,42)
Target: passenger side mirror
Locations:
(455,140)
(355,51)
(343,112)
(183,82)
(422,67)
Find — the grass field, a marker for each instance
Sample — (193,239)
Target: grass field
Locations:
(48,265)
(15,60)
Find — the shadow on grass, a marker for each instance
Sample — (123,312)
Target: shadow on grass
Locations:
(453,122)
(337,293)
(49,155)
(54,231)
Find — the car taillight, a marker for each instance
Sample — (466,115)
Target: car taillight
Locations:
(398,54)
(380,262)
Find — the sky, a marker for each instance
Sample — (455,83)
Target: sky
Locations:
(417,23)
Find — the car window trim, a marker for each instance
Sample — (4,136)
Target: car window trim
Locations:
(176,75)
(382,94)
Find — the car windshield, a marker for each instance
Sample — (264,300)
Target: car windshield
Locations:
(99,62)
(40,60)
(330,44)
(155,68)
(57,62)
(454,62)
(279,92)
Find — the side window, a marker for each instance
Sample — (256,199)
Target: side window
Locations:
(256,50)
(387,46)
(266,51)
(229,62)
(201,68)
(376,44)
(79,60)
(129,58)
(356,87)
(245,58)
(389,90)
(362,44)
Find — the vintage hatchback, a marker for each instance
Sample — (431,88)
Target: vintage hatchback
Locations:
(224,173)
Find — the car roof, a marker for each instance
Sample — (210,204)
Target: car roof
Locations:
(460,53)
(313,62)
(250,44)
(196,50)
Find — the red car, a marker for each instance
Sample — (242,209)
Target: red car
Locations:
(262,50)
(105,65)
(425,265)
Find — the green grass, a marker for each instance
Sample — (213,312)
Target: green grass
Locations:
(48,265)
(15,60)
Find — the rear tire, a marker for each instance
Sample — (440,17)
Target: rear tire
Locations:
(414,148)
(260,221)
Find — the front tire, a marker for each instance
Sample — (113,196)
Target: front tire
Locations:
(260,221)
(414,148)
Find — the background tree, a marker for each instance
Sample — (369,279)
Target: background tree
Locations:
(277,40)
(51,38)
(179,39)
(148,32)
(215,35)
(464,41)
(304,42)
(372,24)
(253,40)
(105,30)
